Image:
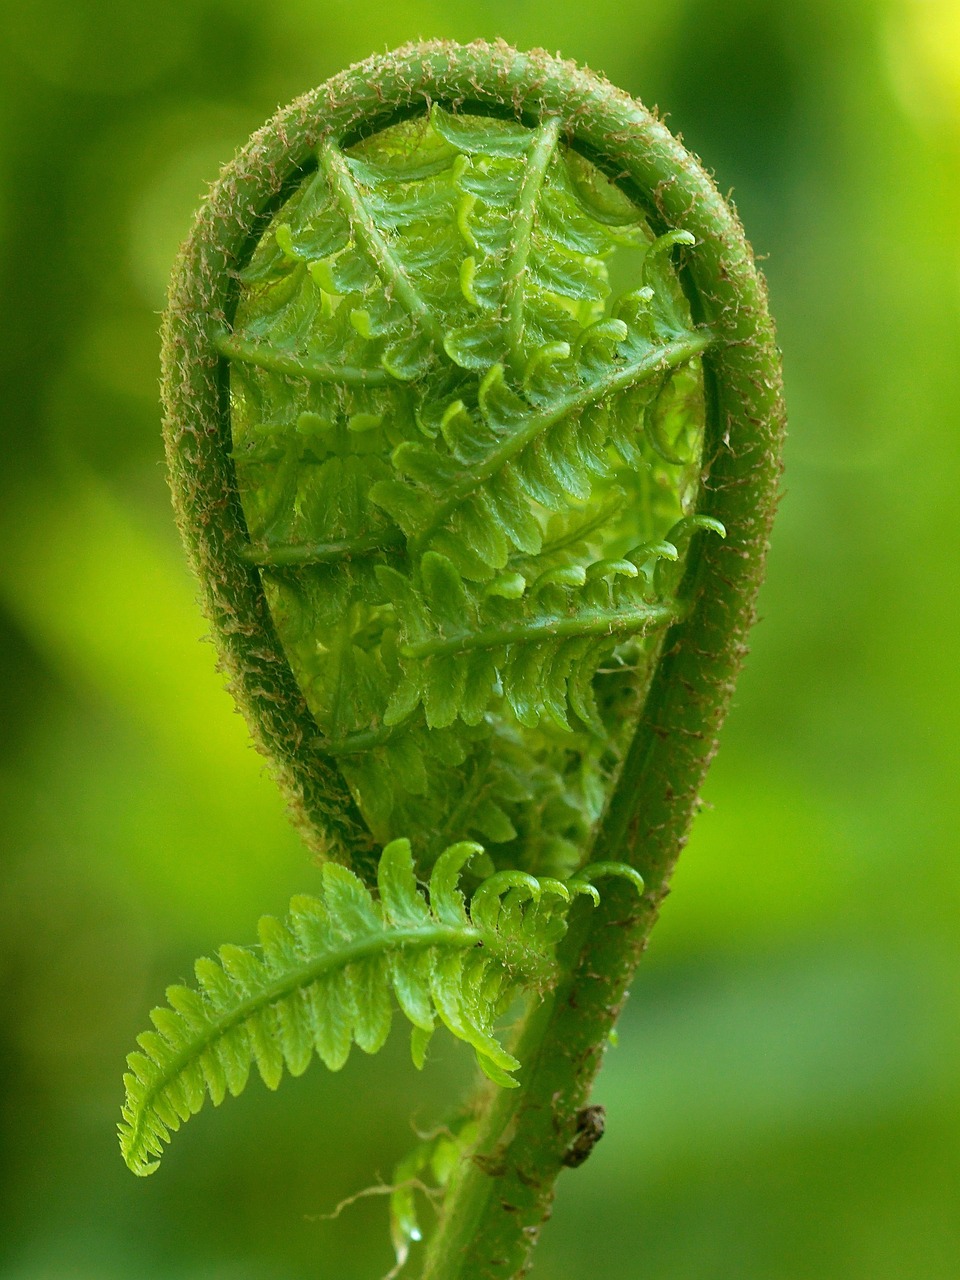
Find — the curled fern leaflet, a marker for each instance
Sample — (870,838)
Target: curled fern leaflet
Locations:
(322,980)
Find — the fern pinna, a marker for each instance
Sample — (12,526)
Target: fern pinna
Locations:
(473,422)
(323,979)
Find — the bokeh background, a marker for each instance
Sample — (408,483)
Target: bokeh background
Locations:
(784,1103)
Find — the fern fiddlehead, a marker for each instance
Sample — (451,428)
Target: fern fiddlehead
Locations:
(473,421)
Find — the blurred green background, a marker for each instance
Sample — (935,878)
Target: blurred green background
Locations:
(785,1100)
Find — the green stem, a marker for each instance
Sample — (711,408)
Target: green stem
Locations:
(292,554)
(352,744)
(499,1195)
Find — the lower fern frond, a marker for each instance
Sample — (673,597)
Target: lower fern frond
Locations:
(322,980)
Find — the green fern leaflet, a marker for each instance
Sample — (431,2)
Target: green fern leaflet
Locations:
(323,979)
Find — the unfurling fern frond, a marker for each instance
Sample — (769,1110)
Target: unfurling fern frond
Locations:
(322,980)
(463,352)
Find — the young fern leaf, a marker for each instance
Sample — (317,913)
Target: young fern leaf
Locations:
(474,420)
(322,980)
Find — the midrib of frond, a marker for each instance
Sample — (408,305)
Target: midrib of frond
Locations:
(538,162)
(586,622)
(415,938)
(285,363)
(579,532)
(661,358)
(290,554)
(371,241)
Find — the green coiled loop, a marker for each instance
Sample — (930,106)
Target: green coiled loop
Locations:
(491,1223)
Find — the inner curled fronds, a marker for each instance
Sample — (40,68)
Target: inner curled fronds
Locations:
(467,415)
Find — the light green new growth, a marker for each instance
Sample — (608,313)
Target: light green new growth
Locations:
(461,454)
(322,981)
